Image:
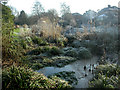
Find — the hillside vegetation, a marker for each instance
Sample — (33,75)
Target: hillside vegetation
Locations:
(47,40)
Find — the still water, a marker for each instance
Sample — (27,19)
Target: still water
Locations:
(78,68)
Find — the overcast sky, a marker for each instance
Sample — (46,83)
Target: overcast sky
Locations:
(79,6)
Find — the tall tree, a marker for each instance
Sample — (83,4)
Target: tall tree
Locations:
(38,9)
(22,18)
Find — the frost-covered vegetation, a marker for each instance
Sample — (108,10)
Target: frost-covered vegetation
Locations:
(45,39)
(22,77)
(106,76)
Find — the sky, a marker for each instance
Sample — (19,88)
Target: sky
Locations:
(79,6)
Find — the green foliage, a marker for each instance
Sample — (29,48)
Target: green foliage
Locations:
(7,16)
(17,30)
(22,18)
(72,53)
(108,69)
(36,66)
(106,76)
(84,53)
(21,77)
(10,49)
(23,44)
(61,41)
(55,51)
(104,82)
(39,41)
(61,61)
(100,40)
(39,50)
(67,76)
(46,49)
(71,38)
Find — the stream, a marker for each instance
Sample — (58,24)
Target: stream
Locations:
(78,68)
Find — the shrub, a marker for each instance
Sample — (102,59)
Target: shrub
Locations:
(76,43)
(11,50)
(72,53)
(46,49)
(23,44)
(61,61)
(36,51)
(94,47)
(84,53)
(21,77)
(67,76)
(37,66)
(39,41)
(108,69)
(106,76)
(104,82)
(61,41)
(70,38)
(55,51)
(39,50)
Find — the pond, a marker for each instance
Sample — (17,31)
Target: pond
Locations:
(78,68)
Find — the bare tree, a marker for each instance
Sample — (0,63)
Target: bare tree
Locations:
(38,9)
(65,9)
(67,16)
(52,15)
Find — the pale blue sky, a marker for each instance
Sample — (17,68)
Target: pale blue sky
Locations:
(79,6)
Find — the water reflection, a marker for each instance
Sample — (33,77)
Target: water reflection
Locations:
(78,68)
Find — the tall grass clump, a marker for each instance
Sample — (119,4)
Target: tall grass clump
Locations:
(47,29)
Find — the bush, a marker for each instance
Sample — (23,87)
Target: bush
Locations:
(37,66)
(104,82)
(39,50)
(39,41)
(55,51)
(84,53)
(108,69)
(23,44)
(21,77)
(106,76)
(67,76)
(10,49)
(70,38)
(72,53)
(46,49)
(61,41)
